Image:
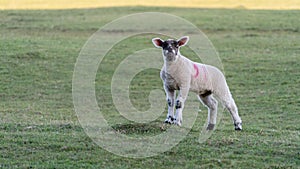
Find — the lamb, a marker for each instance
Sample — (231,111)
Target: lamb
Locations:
(208,82)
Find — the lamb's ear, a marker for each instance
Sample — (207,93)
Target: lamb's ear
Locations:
(183,41)
(157,42)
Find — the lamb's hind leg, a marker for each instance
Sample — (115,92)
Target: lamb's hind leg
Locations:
(232,108)
(226,98)
(211,103)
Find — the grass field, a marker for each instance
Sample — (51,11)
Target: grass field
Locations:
(39,128)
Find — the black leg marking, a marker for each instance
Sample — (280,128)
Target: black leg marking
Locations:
(206,93)
(170,120)
(169,103)
(210,126)
(238,126)
(178,104)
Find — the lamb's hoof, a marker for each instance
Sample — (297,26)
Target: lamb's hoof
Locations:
(210,126)
(238,126)
(169,120)
(178,123)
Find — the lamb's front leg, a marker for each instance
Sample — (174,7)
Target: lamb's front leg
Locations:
(170,99)
(180,104)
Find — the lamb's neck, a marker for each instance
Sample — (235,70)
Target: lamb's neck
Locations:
(170,65)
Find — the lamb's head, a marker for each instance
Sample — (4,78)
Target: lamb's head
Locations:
(170,47)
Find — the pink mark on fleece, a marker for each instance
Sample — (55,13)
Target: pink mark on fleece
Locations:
(198,71)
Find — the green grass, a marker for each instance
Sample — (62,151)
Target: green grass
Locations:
(38,124)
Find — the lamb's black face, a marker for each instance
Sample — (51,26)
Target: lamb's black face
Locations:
(170,49)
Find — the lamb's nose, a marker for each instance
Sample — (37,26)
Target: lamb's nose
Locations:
(170,50)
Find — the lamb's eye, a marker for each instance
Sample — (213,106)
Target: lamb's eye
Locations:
(175,44)
(164,45)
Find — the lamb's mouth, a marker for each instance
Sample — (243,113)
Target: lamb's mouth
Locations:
(170,57)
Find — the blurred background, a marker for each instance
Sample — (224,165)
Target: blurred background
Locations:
(67,4)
